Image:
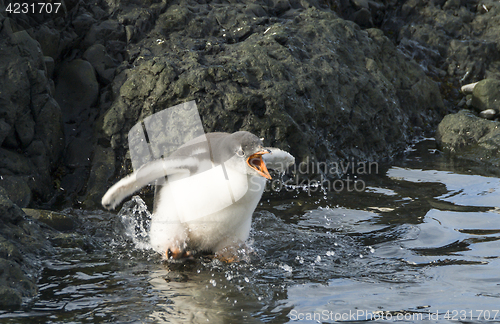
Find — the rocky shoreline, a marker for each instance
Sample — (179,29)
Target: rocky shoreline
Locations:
(325,80)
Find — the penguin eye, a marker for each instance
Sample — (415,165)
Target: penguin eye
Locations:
(240,153)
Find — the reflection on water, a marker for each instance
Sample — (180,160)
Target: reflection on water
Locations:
(420,244)
(462,189)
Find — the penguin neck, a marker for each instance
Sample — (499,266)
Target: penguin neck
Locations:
(256,185)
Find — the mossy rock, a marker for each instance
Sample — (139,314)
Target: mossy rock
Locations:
(470,137)
(486,95)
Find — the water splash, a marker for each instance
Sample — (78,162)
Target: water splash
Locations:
(136,219)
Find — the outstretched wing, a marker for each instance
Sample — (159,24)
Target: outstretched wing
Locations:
(277,159)
(146,174)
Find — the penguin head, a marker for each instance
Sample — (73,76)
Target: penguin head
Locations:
(244,152)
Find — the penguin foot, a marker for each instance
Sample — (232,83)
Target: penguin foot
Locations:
(230,259)
(178,254)
(228,255)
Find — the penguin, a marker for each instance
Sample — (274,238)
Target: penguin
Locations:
(213,185)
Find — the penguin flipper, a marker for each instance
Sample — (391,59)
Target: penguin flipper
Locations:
(277,159)
(145,175)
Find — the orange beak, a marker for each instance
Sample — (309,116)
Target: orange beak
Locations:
(255,162)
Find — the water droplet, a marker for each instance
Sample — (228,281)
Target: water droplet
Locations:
(213,282)
(287,268)
(299,259)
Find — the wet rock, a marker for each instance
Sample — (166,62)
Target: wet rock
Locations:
(17,188)
(76,88)
(291,71)
(25,129)
(176,277)
(29,46)
(77,91)
(9,298)
(140,20)
(31,136)
(470,137)
(101,61)
(69,39)
(14,163)
(465,34)
(14,283)
(49,65)
(71,240)
(174,18)
(109,30)
(9,212)
(9,251)
(78,153)
(4,130)
(313,84)
(49,38)
(103,168)
(49,127)
(21,244)
(363,17)
(486,95)
(451,4)
(73,183)
(83,22)
(57,221)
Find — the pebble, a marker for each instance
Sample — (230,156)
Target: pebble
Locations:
(488,114)
(468,88)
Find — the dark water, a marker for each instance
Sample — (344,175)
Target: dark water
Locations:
(420,244)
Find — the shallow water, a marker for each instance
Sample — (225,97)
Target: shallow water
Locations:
(420,244)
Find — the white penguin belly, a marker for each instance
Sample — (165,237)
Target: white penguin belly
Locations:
(205,211)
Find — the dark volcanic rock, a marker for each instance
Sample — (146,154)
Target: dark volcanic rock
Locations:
(31,126)
(76,88)
(57,221)
(18,190)
(461,38)
(106,30)
(101,61)
(307,81)
(26,237)
(21,244)
(469,137)
(290,71)
(103,168)
(486,95)
(9,297)
(9,212)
